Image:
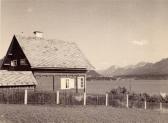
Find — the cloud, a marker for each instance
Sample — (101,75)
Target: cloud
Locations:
(139,42)
(29,10)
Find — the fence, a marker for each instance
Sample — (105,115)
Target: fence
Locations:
(70,98)
(12,97)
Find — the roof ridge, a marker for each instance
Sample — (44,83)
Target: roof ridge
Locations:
(47,39)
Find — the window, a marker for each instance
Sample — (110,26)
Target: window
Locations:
(22,62)
(7,64)
(81,81)
(67,83)
(14,63)
(10,54)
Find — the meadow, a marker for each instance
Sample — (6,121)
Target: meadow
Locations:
(78,114)
(138,86)
(11,113)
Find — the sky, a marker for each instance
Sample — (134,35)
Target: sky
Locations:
(109,32)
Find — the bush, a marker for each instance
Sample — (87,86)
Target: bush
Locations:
(120,91)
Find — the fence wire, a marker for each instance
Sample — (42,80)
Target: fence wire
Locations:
(70,98)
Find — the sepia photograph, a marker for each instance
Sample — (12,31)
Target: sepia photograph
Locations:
(83,61)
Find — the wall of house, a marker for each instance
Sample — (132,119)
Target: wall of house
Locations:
(52,81)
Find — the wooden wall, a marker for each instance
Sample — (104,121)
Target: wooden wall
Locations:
(52,81)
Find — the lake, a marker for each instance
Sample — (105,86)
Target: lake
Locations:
(140,86)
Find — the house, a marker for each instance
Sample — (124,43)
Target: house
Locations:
(55,64)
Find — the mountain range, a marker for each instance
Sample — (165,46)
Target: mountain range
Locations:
(93,73)
(140,69)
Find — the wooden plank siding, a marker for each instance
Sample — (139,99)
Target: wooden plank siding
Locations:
(52,81)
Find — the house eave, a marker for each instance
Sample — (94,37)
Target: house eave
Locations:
(57,68)
(17,86)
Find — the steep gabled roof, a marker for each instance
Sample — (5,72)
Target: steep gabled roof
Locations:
(52,53)
(16,78)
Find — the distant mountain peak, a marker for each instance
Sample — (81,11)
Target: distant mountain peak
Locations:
(141,68)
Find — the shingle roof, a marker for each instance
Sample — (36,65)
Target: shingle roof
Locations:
(52,53)
(16,78)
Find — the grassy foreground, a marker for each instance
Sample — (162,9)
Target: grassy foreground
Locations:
(77,114)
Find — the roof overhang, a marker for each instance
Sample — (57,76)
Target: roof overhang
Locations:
(17,78)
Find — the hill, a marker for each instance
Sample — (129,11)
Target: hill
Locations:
(92,73)
(143,69)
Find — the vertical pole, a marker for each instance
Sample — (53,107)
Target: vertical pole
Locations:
(160,106)
(145,104)
(76,84)
(58,97)
(106,99)
(127,101)
(97,99)
(85,83)
(84,99)
(7,91)
(34,88)
(53,83)
(25,97)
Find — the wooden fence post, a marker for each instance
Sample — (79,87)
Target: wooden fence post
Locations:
(84,99)
(160,106)
(97,100)
(145,104)
(25,97)
(58,97)
(106,99)
(127,101)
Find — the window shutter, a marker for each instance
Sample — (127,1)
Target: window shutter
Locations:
(71,83)
(63,83)
(81,82)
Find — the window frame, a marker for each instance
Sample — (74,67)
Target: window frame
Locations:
(14,63)
(67,83)
(81,82)
(21,60)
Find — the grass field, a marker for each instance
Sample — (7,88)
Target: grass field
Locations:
(77,114)
(148,86)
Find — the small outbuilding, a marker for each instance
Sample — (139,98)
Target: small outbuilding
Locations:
(17,79)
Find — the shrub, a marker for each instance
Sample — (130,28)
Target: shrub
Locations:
(120,91)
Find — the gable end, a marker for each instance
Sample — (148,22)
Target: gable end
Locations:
(15,58)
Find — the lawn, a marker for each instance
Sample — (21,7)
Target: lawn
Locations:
(78,114)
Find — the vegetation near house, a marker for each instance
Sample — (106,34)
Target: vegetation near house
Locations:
(117,92)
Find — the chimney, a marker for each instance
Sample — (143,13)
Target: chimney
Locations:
(38,34)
